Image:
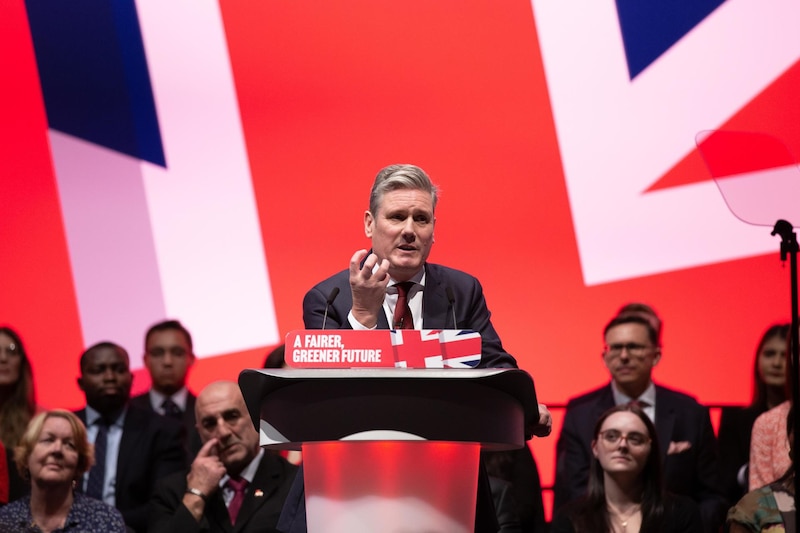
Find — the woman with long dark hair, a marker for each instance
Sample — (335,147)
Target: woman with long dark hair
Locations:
(17,394)
(625,493)
(736,423)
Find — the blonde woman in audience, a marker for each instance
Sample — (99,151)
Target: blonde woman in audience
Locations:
(54,453)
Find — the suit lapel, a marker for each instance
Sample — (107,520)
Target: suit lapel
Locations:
(604,403)
(434,301)
(129,445)
(665,421)
(258,492)
(219,513)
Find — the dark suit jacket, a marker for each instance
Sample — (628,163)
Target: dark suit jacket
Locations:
(470,312)
(679,418)
(259,513)
(469,308)
(152,447)
(735,430)
(193,443)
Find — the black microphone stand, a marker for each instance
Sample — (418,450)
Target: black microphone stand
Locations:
(789,247)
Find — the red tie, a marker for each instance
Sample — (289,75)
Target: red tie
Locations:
(402,312)
(238,486)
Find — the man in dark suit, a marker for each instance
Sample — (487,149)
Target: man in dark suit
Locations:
(393,286)
(400,223)
(168,357)
(686,438)
(133,447)
(206,499)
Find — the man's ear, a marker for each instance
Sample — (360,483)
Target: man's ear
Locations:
(80,384)
(369,222)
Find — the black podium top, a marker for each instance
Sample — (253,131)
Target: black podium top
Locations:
(293,406)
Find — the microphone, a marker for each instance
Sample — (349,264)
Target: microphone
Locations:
(331,297)
(452,299)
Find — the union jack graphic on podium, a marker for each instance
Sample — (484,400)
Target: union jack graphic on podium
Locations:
(436,348)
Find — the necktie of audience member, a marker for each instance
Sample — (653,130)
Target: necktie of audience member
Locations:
(238,485)
(641,404)
(171,409)
(402,312)
(97,475)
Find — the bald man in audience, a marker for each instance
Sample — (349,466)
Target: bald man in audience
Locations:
(232,485)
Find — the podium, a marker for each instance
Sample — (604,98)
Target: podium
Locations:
(390,450)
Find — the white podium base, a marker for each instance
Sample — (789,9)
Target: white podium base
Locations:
(391,486)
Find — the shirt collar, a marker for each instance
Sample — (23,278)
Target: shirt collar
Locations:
(249,472)
(418,279)
(157,398)
(648,396)
(92,416)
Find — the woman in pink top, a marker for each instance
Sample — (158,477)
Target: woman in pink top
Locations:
(769,447)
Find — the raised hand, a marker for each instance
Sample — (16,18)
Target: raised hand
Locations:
(368,287)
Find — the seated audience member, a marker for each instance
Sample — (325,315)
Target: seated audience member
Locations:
(689,451)
(769,447)
(54,453)
(736,423)
(232,485)
(133,447)
(771,507)
(168,357)
(17,393)
(17,406)
(517,469)
(626,492)
(276,358)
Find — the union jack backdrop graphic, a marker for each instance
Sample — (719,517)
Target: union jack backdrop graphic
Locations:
(211,160)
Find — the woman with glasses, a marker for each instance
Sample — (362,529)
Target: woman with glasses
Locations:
(625,493)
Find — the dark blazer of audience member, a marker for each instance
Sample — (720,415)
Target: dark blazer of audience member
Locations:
(168,357)
(197,501)
(150,446)
(689,452)
(736,423)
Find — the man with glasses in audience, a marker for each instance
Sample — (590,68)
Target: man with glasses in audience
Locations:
(686,439)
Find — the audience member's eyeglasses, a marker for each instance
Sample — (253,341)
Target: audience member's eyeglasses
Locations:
(11,349)
(633,349)
(634,438)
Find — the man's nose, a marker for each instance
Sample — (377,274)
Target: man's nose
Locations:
(223,430)
(408,228)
